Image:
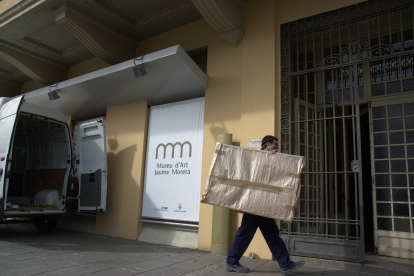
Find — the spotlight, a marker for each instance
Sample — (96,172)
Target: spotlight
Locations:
(139,70)
(53,95)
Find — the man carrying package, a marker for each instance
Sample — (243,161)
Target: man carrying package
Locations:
(267,226)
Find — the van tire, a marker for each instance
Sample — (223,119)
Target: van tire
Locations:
(46,224)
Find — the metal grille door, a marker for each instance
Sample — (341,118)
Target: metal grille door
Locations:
(330,66)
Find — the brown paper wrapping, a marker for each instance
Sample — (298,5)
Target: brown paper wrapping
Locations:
(254,181)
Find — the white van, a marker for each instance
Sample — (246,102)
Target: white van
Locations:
(40,178)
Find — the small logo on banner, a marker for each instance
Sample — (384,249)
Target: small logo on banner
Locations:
(180,206)
(162,209)
(173,148)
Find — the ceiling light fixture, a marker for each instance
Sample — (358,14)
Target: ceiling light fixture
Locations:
(53,94)
(139,70)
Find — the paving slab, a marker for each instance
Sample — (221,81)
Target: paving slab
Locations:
(36,269)
(339,272)
(79,270)
(273,267)
(124,261)
(31,262)
(194,264)
(167,271)
(26,251)
(149,265)
(118,271)
(182,256)
(4,269)
(369,266)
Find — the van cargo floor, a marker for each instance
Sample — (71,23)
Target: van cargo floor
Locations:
(30,209)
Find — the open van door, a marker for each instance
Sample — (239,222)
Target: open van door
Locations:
(91,165)
(8,117)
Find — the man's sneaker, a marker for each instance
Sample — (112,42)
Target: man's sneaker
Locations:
(237,268)
(292,266)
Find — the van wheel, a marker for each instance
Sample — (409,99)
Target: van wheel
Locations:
(47,224)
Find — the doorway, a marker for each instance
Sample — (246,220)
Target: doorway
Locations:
(367,180)
(334,67)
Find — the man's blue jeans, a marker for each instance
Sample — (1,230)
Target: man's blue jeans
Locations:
(246,232)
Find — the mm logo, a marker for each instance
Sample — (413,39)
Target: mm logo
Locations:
(173,148)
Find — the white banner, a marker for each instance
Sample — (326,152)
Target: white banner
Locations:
(174,156)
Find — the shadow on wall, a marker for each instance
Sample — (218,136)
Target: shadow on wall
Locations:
(87,224)
(221,129)
(112,143)
(216,129)
(123,200)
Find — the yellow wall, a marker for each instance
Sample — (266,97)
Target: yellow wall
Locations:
(6,4)
(222,96)
(126,134)
(258,89)
(76,70)
(292,10)
(240,98)
(86,67)
(9,89)
(30,86)
(70,121)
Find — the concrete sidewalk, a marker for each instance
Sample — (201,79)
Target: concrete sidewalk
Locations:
(25,251)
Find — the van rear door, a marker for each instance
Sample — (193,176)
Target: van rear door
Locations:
(8,117)
(91,165)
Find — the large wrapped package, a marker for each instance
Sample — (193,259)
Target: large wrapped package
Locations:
(254,181)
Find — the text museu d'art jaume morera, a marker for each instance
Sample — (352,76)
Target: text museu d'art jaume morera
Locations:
(170,169)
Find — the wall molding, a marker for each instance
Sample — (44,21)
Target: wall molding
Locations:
(31,54)
(182,6)
(62,53)
(112,12)
(136,23)
(28,40)
(6,73)
(37,67)
(225,16)
(14,83)
(74,51)
(38,28)
(103,41)
(20,11)
(40,46)
(12,74)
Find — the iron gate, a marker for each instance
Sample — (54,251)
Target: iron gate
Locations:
(328,62)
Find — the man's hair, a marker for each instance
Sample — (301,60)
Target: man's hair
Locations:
(267,138)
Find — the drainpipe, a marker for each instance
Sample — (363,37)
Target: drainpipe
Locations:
(221,216)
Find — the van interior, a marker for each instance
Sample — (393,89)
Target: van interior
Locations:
(40,165)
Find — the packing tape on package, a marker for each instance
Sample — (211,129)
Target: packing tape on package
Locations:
(249,185)
(289,207)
